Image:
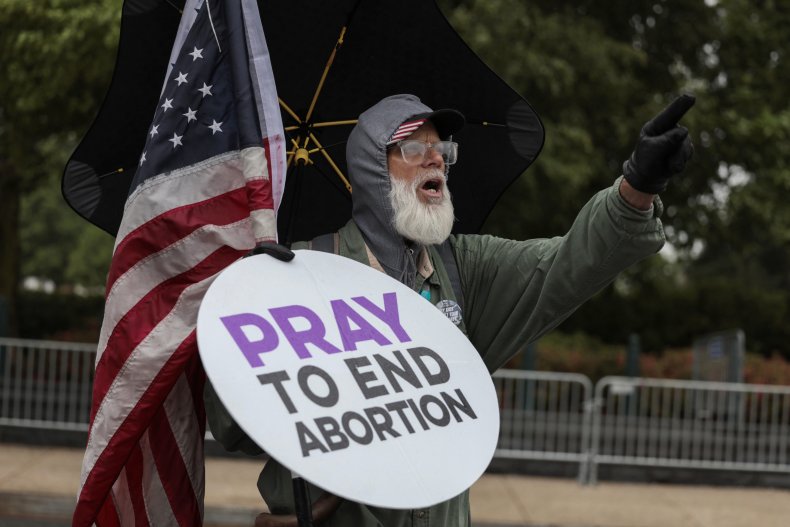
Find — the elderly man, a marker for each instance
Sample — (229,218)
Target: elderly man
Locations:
(501,293)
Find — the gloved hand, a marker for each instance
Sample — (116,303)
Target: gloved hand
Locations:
(662,150)
(281,252)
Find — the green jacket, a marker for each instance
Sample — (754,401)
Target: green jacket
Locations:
(514,292)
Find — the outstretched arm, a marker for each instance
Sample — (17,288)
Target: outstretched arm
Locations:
(517,291)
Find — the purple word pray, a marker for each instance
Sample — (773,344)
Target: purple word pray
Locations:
(351,324)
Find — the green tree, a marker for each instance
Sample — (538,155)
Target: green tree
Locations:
(57,62)
(748,74)
(57,244)
(594,75)
(595,71)
(733,228)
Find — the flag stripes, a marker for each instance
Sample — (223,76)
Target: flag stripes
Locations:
(198,205)
(184,499)
(177,224)
(192,184)
(134,484)
(405,130)
(131,373)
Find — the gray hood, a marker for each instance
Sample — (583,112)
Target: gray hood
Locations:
(366,157)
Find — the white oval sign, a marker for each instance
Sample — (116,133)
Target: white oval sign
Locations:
(349,378)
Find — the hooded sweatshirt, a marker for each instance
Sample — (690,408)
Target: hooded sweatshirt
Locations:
(366,156)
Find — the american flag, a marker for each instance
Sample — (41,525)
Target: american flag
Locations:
(205,192)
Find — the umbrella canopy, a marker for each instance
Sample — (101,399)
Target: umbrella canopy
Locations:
(331,61)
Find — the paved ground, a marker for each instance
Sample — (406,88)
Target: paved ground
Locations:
(38,486)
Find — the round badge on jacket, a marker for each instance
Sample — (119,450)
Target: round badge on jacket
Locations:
(451,310)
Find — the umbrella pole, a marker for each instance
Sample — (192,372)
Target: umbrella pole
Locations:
(302,505)
(296,176)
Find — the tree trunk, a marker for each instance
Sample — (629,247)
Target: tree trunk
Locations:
(9,250)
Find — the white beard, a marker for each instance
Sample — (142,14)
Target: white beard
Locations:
(424,223)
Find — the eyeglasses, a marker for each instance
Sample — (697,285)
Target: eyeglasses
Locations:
(414,152)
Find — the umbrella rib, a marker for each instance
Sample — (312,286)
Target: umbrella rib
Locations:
(331,180)
(116,171)
(335,123)
(332,163)
(314,150)
(180,11)
(329,63)
(292,153)
(301,152)
(289,110)
(347,122)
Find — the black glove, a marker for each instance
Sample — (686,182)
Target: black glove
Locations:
(281,252)
(662,150)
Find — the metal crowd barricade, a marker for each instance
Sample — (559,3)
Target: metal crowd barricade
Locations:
(544,416)
(45,384)
(690,424)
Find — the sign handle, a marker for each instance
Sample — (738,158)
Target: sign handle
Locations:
(302,505)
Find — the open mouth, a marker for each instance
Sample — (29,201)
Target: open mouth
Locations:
(432,188)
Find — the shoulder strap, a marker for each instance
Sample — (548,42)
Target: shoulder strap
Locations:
(450,265)
(327,243)
(330,243)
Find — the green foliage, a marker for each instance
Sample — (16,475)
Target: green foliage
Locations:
(59,316)
(57,62)
(577,64)
(57,244)
(595,72)
(580,353)
(669,313)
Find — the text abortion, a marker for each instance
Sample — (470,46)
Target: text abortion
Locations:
(383,374)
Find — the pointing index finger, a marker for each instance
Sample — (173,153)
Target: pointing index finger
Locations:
(669,116)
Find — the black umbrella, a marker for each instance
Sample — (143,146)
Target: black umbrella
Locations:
(331,61)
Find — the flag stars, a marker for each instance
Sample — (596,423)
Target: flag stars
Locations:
(142,159)
(196,53)
(155,128)
(181,79)
(190,115)
(176,140)
(167,105)
(206,89)
(215,127)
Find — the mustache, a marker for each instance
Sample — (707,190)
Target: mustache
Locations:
(426,175)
